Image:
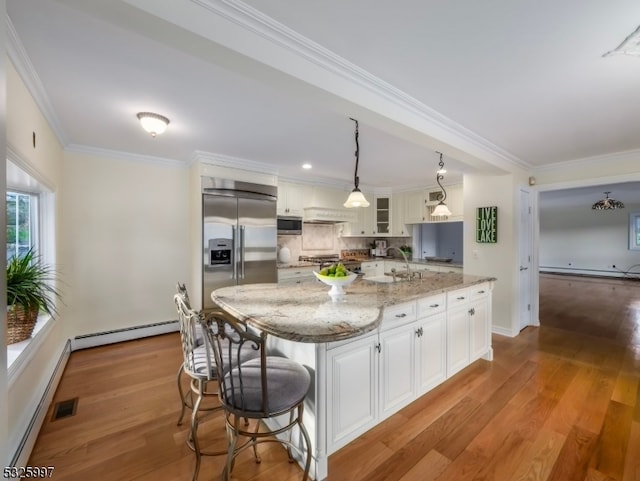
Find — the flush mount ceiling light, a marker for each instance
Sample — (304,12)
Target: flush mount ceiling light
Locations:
(441,208)
(629,46)
(356,197)
(155,124)
(607,203)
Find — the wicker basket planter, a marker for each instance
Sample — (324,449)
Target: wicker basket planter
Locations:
(30,289)
(20,323)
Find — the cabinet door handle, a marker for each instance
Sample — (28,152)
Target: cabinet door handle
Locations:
(401,315)
(460,298)
(472,311)
(378,347)
(434,305)
(418,332)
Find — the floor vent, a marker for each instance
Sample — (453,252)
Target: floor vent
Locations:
(64,409)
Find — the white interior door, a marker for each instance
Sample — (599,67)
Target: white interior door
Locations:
(524,254)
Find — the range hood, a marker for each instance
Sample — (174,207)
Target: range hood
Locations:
(320,215)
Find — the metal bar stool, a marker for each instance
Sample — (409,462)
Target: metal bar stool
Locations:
(260,388)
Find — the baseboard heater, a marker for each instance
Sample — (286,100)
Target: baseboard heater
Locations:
(125,334)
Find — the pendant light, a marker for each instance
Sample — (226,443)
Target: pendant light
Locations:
(607,203)
(441,209)
(356,197)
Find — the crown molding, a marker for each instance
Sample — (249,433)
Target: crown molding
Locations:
(18,56)
(259,23)
(629,155)
(128,156)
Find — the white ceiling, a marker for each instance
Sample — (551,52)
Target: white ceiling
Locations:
(490,83)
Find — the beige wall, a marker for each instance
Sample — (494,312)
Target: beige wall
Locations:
(125,241)
(44,162)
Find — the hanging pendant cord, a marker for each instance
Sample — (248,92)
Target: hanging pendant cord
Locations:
(356,180)
(439,177)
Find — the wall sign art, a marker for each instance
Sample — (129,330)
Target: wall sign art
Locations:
(487,225)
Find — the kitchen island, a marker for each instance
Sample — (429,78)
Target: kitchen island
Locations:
(372,351)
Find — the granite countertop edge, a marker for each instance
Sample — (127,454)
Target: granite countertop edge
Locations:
(303,322)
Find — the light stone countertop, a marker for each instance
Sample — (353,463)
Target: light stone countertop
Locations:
(303,311)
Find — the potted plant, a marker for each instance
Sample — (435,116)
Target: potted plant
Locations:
(407,251)
(30,290)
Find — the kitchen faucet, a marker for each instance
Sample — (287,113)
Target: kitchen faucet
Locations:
(404,256)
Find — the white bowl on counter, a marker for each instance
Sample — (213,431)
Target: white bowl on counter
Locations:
(336,283)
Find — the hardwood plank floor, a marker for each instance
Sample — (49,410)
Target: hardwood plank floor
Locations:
(559,403)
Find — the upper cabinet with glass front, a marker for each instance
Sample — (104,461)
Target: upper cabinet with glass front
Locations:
(382,213)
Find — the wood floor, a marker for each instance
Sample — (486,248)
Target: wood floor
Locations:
(559,403)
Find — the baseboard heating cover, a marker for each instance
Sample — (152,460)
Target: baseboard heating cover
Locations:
(23,450)
(126,334)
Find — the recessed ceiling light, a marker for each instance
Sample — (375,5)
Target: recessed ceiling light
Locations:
(306,166)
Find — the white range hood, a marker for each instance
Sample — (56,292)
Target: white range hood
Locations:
(319,215)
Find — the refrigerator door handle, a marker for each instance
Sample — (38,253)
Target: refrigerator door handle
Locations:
(241,276)
(233,253)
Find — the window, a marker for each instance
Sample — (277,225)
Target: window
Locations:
(634,231)
(22,222)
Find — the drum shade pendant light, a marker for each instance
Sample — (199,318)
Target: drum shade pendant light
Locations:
(441,208)
(155,124)
(607,203)
(356,197)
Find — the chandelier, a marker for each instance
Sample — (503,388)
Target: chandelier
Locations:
(607,203)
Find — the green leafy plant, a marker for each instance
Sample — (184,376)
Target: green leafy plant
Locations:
(30,283)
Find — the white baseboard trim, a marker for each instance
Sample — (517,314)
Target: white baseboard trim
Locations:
(126,334)
(503,331)
(23,450)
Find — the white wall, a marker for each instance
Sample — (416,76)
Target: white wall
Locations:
(582,240)
(125,241)
(498,260)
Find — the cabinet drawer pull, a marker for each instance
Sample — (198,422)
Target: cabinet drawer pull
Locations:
(460,298)
(434,305)
(401,315)
(481,292)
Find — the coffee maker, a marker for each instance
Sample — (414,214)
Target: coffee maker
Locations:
(381,248)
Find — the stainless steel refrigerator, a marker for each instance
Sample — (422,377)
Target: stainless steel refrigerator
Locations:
(239,235)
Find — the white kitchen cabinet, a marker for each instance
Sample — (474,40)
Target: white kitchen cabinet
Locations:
(397,369)
(468,327)
(382,216)
(352,390)
(480,324)
(372,377)
(457,339)
(430,352)
(418,345)
(291,199)
(399,228)
(415,207)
